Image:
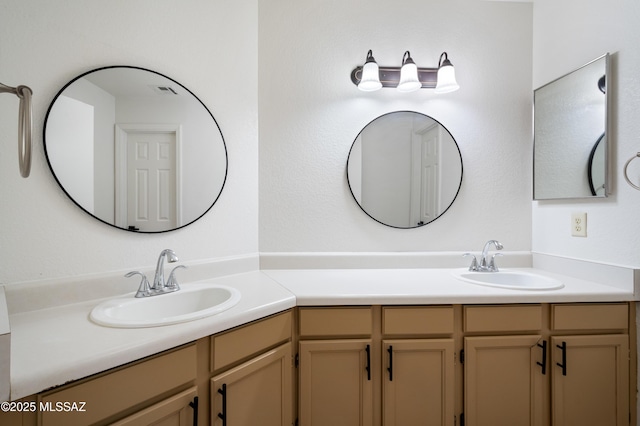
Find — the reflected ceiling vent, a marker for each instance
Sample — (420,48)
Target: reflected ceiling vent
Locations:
(165,90)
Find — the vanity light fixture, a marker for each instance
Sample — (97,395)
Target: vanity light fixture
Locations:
(446,76)
(408,75)
(406,78)
(370,75)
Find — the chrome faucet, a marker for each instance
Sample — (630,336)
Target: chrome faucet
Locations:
(491,267)
(159,286)
(486,264)
(158,280)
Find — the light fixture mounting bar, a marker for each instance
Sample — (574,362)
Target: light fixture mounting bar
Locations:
(390,76)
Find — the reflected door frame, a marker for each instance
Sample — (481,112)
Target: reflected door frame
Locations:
(121,137)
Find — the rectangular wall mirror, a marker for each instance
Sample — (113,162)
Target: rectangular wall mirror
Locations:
(570,134)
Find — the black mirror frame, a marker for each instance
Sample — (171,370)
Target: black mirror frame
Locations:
(452,200)
(44,138)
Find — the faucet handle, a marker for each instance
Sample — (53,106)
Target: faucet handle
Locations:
(492,263)
(144,289)
(474,262)
(172,283)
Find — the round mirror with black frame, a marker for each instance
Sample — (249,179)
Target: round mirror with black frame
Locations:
(404,169)
(135,149)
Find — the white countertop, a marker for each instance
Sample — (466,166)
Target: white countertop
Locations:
(52,346)
(315,287)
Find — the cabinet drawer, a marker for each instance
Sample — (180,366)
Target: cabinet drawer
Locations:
(601,316)
(116,391)
(335,321)
(175,408)
(502,318)
(239,344)
(417,320)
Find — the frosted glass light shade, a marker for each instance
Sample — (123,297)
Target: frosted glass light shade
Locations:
(408,75)
(370,77)
(446,77)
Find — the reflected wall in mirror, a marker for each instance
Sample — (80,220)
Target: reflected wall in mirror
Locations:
(404,169)
(570,134)
(135,149)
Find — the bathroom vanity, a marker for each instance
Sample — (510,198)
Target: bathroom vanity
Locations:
(421,362)
(220,374)
(340,347)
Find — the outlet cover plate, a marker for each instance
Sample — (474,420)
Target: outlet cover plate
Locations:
(579,224)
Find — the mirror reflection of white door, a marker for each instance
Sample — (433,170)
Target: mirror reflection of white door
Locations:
(425,191)
(430,194)
(148,181)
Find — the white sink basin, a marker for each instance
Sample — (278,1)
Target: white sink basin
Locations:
(515,280)
(192,302)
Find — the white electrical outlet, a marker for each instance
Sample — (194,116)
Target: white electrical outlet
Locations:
(579,224)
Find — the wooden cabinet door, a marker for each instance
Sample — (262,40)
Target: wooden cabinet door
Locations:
(113,393)
(504,384)
(336,383)
(177,410)
(257,392)
(418,384)
(593,386)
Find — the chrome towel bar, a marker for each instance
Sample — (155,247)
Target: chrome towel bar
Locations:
(626,176)
(24,125)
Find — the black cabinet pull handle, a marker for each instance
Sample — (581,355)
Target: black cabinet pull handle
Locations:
(390,369)
(194,404)
(563,347)
(223,391)
(543,364)
(368,368)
